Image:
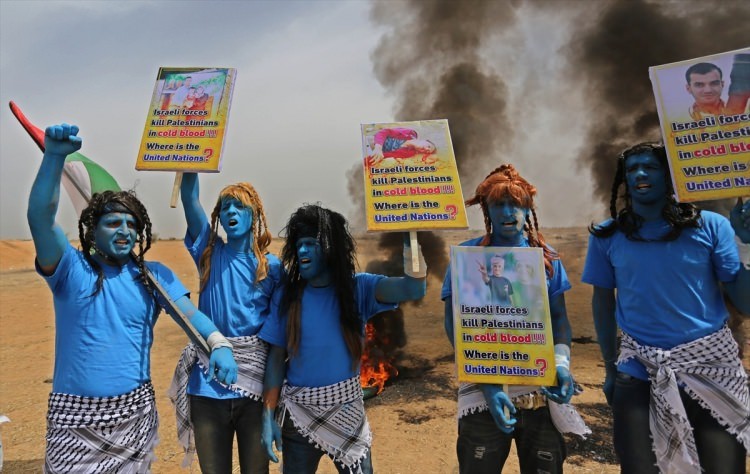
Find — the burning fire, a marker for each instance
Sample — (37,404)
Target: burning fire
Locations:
(376,367)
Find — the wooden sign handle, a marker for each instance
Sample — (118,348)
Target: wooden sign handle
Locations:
(505,408)
(176,189)
(414,251)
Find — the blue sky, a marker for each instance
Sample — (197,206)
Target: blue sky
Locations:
(305,84)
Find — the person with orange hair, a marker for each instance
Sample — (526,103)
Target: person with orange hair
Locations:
(238,278)
(485,432)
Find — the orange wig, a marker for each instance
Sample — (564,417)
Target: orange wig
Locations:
(246,194)
(504,182)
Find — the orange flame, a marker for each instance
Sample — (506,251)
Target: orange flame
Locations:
(374,373)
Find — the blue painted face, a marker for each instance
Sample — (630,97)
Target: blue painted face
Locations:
(508,220)
(312,264)
(236,219)
(646,179)
(115,235)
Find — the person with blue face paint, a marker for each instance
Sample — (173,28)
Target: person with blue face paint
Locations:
(485,432)
(316,331)
(238,278)
(102,413)
(659,268)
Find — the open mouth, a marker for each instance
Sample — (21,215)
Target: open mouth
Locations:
(232,222)
(642,186)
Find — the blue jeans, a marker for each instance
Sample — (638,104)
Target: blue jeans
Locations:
(718,451)
(215,421)
(302,457)
(483,449)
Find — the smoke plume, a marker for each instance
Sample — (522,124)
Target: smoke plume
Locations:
(559,89)
(613,55)
(430,59)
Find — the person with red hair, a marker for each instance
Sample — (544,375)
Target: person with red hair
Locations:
(238,278)
(485,432)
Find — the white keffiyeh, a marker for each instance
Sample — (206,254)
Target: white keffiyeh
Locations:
(711,372)
(331,417)
(102,434)
(249,352)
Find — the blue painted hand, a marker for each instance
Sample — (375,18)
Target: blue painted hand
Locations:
(271,434)
(62,140)
(222,366)
(498,401)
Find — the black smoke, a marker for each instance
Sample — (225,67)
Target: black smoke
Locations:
(613,51)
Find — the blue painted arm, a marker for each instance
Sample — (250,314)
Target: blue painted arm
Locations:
(410,287)
(561,333)
(603,309)
(191,205)
(49,239)
(274,377)
(221,363)
(398,289)
(739,290)
(448,322)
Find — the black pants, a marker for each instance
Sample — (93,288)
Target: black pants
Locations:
(718,451)
(483,449)
(215,421)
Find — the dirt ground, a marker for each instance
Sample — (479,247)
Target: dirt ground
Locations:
(413,420)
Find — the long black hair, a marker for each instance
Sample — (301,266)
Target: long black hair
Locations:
(339,252)
(678,215)
(104,203)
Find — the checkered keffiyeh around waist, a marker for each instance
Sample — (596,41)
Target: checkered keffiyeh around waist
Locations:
(564,416)
(711,372)
(333,418)
(102,434)
(250,353)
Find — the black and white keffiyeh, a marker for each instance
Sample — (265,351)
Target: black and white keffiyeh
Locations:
(711,372)
(102,434)
(333,419)
(564,416)
(250,353)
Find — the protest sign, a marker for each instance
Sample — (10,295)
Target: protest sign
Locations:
(501,316)
(411,177)
(187,120)
(704,111)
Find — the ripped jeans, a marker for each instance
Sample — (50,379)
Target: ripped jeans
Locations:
(483,449)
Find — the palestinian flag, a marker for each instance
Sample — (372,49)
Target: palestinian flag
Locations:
(82,177)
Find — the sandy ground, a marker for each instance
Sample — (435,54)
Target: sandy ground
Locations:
(413,420)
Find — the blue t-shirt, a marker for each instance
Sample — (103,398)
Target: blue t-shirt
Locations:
(322,357)
(668,293)
(557,285)
(231,298)
(103,343)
